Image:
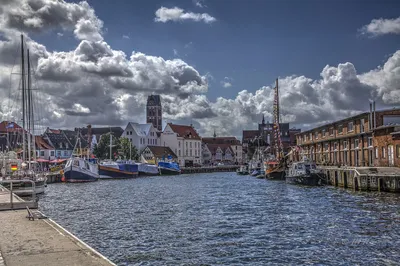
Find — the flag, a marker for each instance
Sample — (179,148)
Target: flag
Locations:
(14,167)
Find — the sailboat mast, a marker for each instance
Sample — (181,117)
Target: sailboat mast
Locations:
(31,113)
(23,97)
(110,145)
(29,110)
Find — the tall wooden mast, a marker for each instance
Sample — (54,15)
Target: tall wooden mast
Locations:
(23,97)
(277,132)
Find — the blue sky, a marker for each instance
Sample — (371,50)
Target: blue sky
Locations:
(213,65)
(252,42)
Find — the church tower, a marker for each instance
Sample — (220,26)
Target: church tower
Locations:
(154,111)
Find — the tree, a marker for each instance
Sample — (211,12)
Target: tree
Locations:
(102,149)
(127,150)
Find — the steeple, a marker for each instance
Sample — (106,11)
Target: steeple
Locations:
(215,134)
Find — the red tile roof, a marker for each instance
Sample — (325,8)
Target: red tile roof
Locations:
(42,144)
(8,126)
(187,132)
(55,131)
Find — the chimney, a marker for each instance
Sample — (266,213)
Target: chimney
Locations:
(374,115)
(370,116)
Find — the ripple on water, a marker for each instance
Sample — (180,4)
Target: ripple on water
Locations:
(225,219)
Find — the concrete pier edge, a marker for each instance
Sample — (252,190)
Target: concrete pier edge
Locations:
(78,241)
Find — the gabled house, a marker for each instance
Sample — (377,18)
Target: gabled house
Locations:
(154,154)
(233,142)
(221,153)
(207,156)
(141,135)
(82,147)
(44,150)
(185,142)
(62,146)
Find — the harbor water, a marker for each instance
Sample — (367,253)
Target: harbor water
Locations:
(226,219)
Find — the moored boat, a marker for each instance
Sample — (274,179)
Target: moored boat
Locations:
(243,170)
(169,168)
(78,170)
(118,169)
(148,169)
(304,173)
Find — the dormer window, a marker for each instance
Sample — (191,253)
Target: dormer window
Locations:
(66,145)
(60,145)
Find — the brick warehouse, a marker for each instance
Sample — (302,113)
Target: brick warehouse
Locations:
(368,139)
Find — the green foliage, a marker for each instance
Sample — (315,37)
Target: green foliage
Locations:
(120,148)
(127,150)
(102,149)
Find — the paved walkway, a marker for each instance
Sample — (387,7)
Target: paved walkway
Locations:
(42,242)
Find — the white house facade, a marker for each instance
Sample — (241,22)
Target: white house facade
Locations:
(185,142)
(141,135)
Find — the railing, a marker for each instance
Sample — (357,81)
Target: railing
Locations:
(20,201)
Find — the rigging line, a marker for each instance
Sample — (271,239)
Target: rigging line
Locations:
(16,49)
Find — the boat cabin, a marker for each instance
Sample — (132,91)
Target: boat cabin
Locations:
(301,168)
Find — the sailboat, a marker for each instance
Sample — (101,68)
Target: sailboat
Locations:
(79,169)
(25,179)
(275,169)
(117,169)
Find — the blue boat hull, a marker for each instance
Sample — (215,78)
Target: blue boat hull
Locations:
(73,176)
(110,172)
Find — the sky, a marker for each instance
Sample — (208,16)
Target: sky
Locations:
(214,63)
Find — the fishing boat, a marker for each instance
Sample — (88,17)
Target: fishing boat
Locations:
(118,169)
(148,169)
(22,172)
(275,171)
(243,170)
(169,168)
(79,169)
(304,173)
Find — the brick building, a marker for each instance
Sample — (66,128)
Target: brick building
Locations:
(368,139)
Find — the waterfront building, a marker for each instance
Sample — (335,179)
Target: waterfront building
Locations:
(228,149)
(44,150)
(154,154)
(368,139)
(185,142)
(63,148)
(264,137)
(141,135)
(88,132)
(154,111)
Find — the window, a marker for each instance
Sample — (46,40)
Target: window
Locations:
(310,136)
(350,127)
(383,152)
(52,153)
(398,150)
(323,133)
(376,153)
(331,131)
(179,152)
(42,153)
(355,143)
(340,129)
(319,147)
(190,144)
(58,153)
(370,142)
(316,134)
(362,125)
(345,145)
(326,146)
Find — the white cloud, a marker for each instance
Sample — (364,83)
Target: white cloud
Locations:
(199,3)
(382,26)
(59,34)
(164,15)
(175,52)
(125,37)
(98,84)
(226,82)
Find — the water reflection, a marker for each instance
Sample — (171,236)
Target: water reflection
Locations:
(222,218)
